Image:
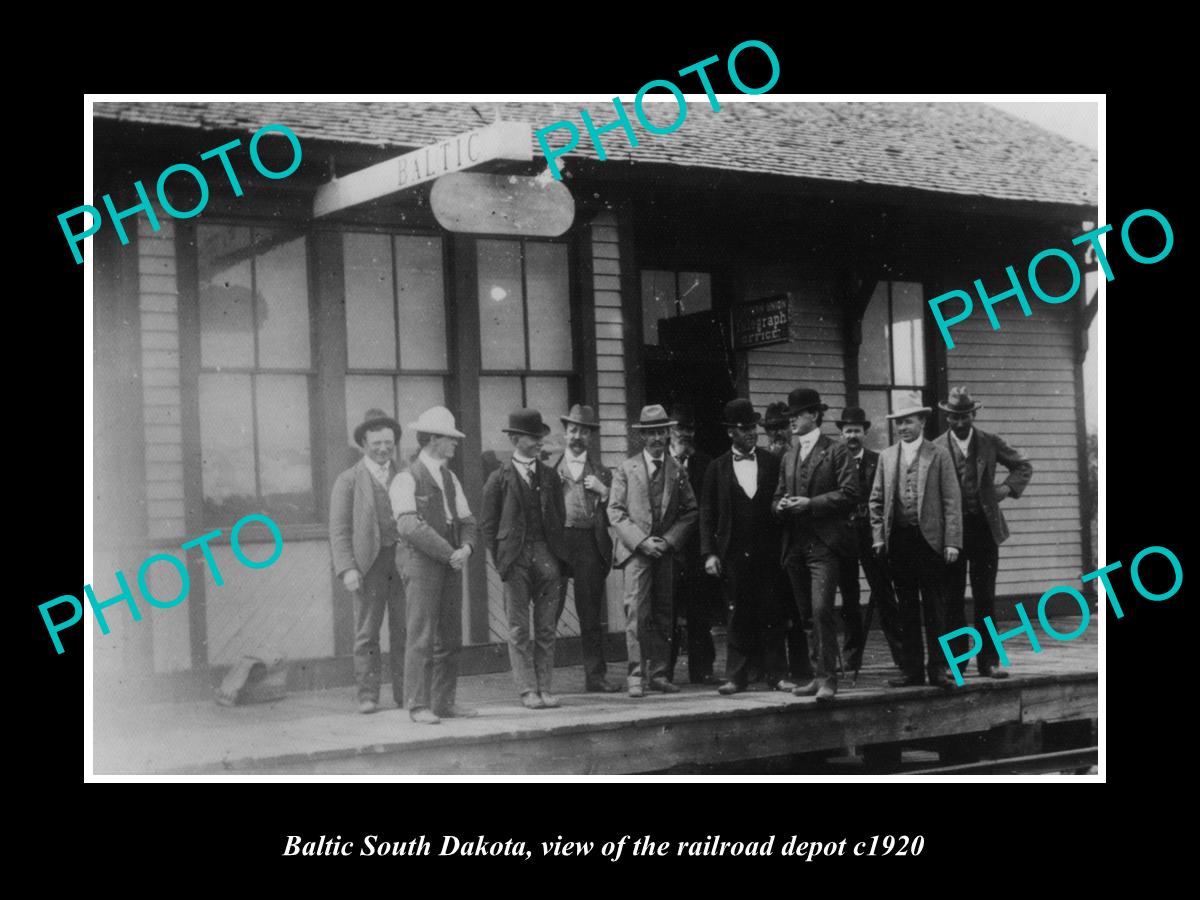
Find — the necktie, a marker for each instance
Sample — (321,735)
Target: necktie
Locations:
(530,471)
(738,457)
(655,467)
(381,475)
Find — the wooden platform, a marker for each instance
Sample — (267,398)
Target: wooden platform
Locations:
(320,733)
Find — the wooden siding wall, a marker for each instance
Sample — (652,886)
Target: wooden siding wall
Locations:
(610,348)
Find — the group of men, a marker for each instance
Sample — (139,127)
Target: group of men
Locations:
(773,531)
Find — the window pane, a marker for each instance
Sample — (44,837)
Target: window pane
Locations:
(284,457)
(365,392)
(226,447)
(226,325)
(414,395)
(873,353)
(497,398)
(281,279)
(658,301)
(370,302)
(549,396)
(548,285)
(908,342)
(501,306)
(419,291)
(695,291)
(875,404)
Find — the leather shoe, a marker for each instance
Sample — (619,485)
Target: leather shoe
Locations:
(907,681)
(603,687)
(457,712)
(549,700)
(783,685)
(637,691)
(423,716)
(663,686)
(807,690)
(730,687)
(366,707)
(938,679)
(992,672)
(827,691)
(710,680)
(532,700)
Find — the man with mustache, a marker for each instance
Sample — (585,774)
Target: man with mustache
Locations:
(586,541)
(653,510)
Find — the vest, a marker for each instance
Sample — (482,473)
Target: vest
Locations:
(804,525)
(745,530)
(656,495)
(862,511)
(906,510)
(388,533)
(432,511)
(531,502)
(580,508)
(968,474)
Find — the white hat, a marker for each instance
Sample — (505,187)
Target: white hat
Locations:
(437,420)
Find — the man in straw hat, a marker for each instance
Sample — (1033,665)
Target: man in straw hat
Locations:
(975,454)
(437,536)
(588,544)
(522,524)
(652,508)
(916,520)
(362,539)
(739,539)
(817,488)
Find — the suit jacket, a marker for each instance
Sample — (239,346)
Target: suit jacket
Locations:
(629,506)
(832,487)
(604,542)
(990,449)
(353,525)
(502,519)
(939,498)
(716,505)
(698,464)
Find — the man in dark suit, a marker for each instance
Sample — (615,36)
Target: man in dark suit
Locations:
(916,521)
(975,454)
(817,488)
(522,524)
(362,538)
(739,540)
(854,426)
(652,509)
(585,485)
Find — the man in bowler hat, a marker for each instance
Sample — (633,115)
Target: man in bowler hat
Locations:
(522,523)
(652,508)
(817,488)
(362,538)
(778,427)
(975,454)
(739,540)
(585,485)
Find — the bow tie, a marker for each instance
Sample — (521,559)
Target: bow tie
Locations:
(738,457)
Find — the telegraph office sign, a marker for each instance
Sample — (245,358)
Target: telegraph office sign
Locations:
(761,322)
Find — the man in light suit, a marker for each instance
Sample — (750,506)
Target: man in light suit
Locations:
(916,521)
(522,524)
(585,487)
(818,486)
(975,454)
(362,538)
(652,509)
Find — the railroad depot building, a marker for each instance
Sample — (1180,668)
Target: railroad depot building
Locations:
(767,246)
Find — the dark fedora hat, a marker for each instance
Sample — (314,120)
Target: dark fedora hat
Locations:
(802,399)
(740,413)
(653,416)
(960,401)
(684,415)
(526,421)
(854,415)
(373,421)
(777,416)
(581,415)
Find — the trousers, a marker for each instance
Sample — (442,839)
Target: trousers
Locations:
(919,574)
(434,595)
(382,593)
(813,570)
(756,620)
(533,585)
(982,555)
(649,586)
(693,597)
(587,573)
(882,597)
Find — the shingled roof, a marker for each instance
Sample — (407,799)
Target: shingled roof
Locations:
(957,148)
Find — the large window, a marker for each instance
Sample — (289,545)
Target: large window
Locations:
(256,374)
(666,294)
(396,354)
(892,370)
(526,350)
